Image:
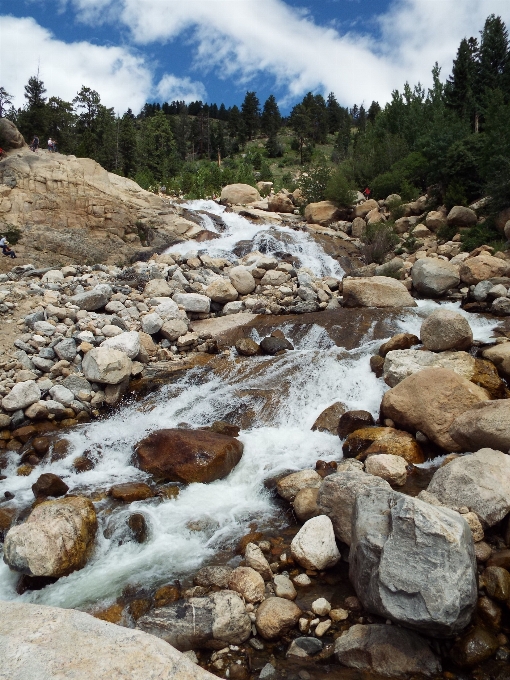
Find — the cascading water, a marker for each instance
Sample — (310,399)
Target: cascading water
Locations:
(274,399)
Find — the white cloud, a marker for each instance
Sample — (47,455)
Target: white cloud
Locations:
(170,88)
(238,39)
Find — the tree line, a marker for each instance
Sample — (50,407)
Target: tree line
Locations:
(453,137)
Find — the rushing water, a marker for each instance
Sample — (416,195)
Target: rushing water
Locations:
(275,399)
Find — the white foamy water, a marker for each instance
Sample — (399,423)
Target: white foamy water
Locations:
(275,399)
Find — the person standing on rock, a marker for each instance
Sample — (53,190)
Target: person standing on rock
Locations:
(4,245)
(367,193)
(51,145)
(35,143)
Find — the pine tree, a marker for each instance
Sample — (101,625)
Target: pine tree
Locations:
(493,55)
(62,124)
(34,91)
(5,101)
(236,129)
(250,111)
(89,101)
(32,120)
(334,113)
(373,112)
(128,146)
(271,119)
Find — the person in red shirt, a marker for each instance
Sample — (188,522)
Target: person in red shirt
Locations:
(367,192)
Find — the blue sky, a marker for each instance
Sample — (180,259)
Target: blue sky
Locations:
(132,51)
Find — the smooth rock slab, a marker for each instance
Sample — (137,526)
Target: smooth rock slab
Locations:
(55,539)
(314,546)
(386,650)
(43,643)
(212,622)
(413,562)
(480,482)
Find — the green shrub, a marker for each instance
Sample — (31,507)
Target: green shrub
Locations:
(483,234)
(313,183)
(339,190)
(396,208)
(378,240)
(446,233)
(11,233)
(455,195)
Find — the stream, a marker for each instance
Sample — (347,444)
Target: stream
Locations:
(275,400)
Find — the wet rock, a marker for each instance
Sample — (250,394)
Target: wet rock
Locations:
(497,583)
(304,647)
(429,401)
(305,504)
(166,595)
(214,621)
(70,641)
(222,427)
(377,365)
(275,616)
(376,291)
(7,516)
(476,646)
(289,486)
(386,650)
(382,440)
(105,365)
(485,425)
(248,583)
(337,496)
(272,345)
(247,347)
(254,558)
(397,342)
(268,672)
(93,299)
(500,356)
(480,481)
(352,421)
(55,540)
(412,562)
(129,343)
(131,492)
(445,330)
(489,612)
(49,484)
(391,468)
(314,545)
(138,526)
(23,394)
(283,587)
(329,419)
(500,559)
(483,551)
(433,277)
(213,576)
(188,455)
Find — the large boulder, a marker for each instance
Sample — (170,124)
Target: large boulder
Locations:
(370,441)
(212,622)
(413,562)
(39,642)
(323,213)
(93,299)
(399,365)
(242,280)
(280,203)
(459,216)
(483,266)
(55,540)
(429,401)
(222,291)
(10,136)
(328,420)
(500,356)
(386,650)
(23,394)
(314,547)
(480,481)
(337,496)
(435,220)
(188,455)
(105,365)
(128,342)
(239,194)
(445,329)
(289,486)
(485,425)
(376,291)
(362,209)
(434,277)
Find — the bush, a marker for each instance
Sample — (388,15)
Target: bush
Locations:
(378,240)
(313,183)
(482,234)
(339,190)
(11,233)
(396,208)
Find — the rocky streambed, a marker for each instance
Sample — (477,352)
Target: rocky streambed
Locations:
(285,514)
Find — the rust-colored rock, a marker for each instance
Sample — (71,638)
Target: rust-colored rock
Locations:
(352,421)
(188,455)
(399,341)
(429,401)
(376,440)
(222,427)
(166,595)
(131,491)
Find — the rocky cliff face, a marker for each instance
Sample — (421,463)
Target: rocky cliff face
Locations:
(70,209)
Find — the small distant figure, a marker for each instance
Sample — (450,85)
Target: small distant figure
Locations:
(51,145)
(35,143)
(2,153)
(367,192)
(6,250)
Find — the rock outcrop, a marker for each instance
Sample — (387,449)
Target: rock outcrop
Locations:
(377,291)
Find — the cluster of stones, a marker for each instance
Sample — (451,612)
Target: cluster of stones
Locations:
(91,329)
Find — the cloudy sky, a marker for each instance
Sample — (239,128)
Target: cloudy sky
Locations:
(133,51)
